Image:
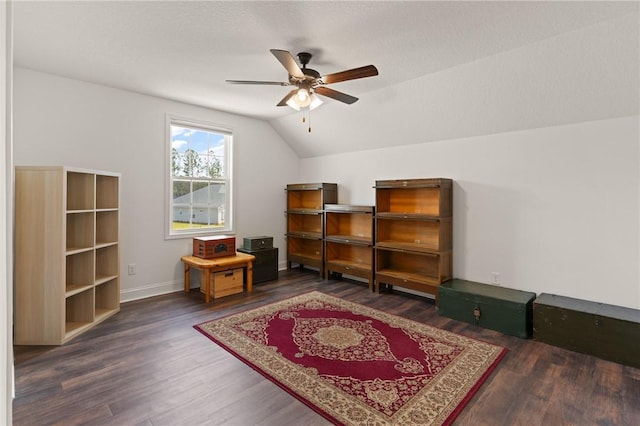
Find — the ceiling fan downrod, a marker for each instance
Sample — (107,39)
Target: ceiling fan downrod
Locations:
(305,58)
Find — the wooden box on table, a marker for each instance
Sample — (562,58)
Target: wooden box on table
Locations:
(225,283)
(257,243)
(214,246)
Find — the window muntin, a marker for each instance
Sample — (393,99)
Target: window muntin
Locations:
(200,179)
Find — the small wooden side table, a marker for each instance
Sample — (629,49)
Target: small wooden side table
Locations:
(218,264)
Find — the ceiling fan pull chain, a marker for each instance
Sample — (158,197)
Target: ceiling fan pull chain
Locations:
(309,120)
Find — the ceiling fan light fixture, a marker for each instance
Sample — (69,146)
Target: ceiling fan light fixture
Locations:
(315,101)
(302,98)
(310,101)
(291,102)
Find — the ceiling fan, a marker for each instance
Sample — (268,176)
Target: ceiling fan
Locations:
(309,82)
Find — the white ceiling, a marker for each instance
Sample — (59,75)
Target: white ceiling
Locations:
(186,50)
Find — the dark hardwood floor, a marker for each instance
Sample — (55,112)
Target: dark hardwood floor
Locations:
(148,366)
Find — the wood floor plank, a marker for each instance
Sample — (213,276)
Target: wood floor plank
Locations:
(147,365)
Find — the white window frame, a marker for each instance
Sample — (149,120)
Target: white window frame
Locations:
(229,166)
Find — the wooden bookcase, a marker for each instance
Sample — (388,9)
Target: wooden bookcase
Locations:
(413,233)
(67,266)
(349,240)
(305,222)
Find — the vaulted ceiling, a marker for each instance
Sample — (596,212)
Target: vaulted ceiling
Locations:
(447,69)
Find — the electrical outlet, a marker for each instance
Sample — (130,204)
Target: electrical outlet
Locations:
(495,278)
(132,269)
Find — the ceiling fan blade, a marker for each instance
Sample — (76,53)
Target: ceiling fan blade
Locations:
(271,83)
(287,60)
(284,100)
(352,74)
(338,96)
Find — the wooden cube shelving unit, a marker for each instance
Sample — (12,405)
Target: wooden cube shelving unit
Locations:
(67,264)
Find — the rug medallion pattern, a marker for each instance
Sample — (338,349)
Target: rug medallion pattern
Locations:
(357,365)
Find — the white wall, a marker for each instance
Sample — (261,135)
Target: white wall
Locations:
(61,121)
(6,216)
(584,75)
(552,210)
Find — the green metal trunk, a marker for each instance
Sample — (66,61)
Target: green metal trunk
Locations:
(606,331)
(502,309)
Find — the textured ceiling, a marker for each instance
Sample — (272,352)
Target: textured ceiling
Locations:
(186,50)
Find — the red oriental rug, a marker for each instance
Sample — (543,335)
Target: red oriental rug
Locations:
(357,365)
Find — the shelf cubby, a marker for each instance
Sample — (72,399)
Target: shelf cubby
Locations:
(80,191)
(79,271)
(79,312)
(352,254)
(306,247)
(355,224)
(107,192)
(106,263)
(414,196)
(428,235)
(106,297)
(80,231)
(310,196)
(305,251)
(305,224)
(106,227)
(407,267)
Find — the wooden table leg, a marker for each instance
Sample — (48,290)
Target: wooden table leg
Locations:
(187,278)
(249,277)
(207,284)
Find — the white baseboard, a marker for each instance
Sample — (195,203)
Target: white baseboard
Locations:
(151,290)
(158,289)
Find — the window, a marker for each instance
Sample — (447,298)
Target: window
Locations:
(200,179)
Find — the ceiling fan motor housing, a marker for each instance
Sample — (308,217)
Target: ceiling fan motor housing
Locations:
(310,75)
(304,58)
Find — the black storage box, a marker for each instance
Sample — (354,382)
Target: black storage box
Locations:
(257,243)
(506,310)
(606,331)
(265,267)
